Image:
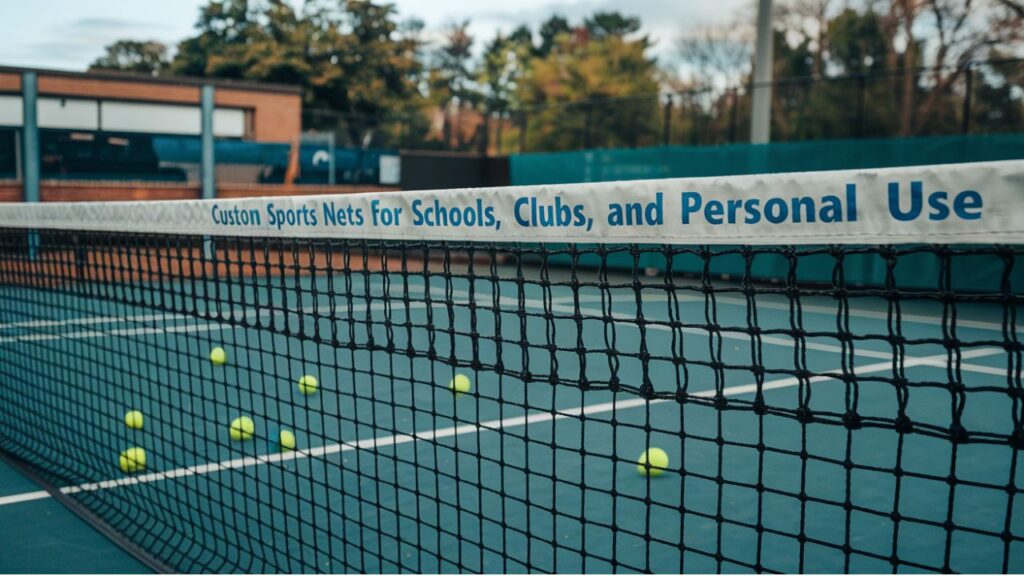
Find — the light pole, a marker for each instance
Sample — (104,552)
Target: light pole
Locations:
(761,113)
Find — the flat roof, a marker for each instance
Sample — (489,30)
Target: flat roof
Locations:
(176,80)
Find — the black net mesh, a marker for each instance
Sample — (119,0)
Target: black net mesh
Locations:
(487,408)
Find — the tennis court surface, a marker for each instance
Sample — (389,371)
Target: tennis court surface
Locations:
(824,408)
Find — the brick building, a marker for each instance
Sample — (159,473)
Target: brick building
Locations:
(108,135)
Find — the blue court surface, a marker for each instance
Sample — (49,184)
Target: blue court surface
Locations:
(535,468)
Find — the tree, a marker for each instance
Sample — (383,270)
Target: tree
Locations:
(550,31)
(996,105)
(365,68)
(596,91)
(856,41)
(964,31)
(717,54)
(522,35)
(504,62)
(143,57)
(216,51)
(870,67)
(357,69)
(806,23)
(610,24)
(452,83)
(453,80)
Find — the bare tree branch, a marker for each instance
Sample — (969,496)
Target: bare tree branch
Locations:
(717,54)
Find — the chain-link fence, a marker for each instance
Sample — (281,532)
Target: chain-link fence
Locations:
(977,97)
(337,148)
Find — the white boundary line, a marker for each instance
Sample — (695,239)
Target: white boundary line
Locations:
(151,330)
(623,319)
(824,310)
(729,300)
(378,442)
(937,360)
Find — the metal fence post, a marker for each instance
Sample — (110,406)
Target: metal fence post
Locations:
(207,159)
(31,150)
(331,178)
(522,131)
(733,120)
(666,123)
(484,143)
(30,137)
(209,189)
(862,85)
(587,119)
(694,121)
(965,127)
(499,132)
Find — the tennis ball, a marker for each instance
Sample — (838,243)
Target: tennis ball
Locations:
(287,440)
(242,428)
(460,384)
(133,460)
(652,462)
(308,384)
(133,419)
(218,356)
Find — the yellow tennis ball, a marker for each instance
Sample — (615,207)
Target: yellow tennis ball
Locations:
(653,462)
(133,460)
(287,440)
(218,356)
(460,384)
(308,384)
(133,419)
(242,428)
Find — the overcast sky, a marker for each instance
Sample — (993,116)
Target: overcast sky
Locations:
(69,34)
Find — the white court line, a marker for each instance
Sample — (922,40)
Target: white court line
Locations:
(629,321)
(619,318)
(92,320)
(813,308)
(439,433)
(186,328)
(765,304)
(234,313)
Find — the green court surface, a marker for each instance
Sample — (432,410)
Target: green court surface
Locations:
(535,468)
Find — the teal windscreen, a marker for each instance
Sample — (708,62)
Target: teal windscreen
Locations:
(697,161)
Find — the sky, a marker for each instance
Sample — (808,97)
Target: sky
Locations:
(70,34)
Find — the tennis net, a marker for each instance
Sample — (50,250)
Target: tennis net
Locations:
(464,403)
